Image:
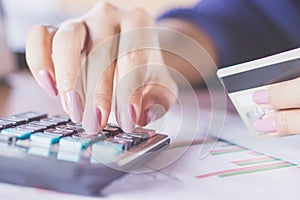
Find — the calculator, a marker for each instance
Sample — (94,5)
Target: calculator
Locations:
(51,152)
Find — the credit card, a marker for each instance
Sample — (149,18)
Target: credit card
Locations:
(242,80)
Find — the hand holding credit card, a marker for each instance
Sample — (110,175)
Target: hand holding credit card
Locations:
(266,93)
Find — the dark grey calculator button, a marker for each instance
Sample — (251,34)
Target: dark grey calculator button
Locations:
(59,132)
(31,116)
(56,121)
(15,120)
(31,127)
(142,133)
(44,124)
(75,125)
(62,118)
(111,131)
(111,125)
(6,124)
(67,128)
(134,140)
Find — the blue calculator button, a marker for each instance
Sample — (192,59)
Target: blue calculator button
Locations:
(44,138)
(18,133)
(104,151)
(73,144)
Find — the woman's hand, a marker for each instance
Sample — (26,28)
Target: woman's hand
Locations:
(56,55)
(284,97)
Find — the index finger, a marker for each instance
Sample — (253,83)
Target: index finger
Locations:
(68,45)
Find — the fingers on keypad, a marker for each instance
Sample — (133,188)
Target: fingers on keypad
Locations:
(40,132)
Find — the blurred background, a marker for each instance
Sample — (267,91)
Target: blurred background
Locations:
(16,17)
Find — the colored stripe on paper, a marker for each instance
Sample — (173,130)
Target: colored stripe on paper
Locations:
(248,170)
(227,150)
(254,161)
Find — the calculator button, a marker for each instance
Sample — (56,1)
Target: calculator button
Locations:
(7,138)
(142,133)
(18,133)
(134,140)
(59,132)
(6,124)
(32,128)
(44,139)
(121,144)
(111,131)
(106,151)
(54,120)
(91,138)
(66,128)
(31,116)
(74,125)
(44,124)
(73,144)
(15,120)
(111,125)
(62,118)
(73,156)
(38,150)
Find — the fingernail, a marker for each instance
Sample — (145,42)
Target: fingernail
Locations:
(150,115)
(74,106)
(47,82)
(261,97)
(92,120)
(127,117)
(265,125)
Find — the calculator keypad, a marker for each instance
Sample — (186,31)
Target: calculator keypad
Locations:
(38,134)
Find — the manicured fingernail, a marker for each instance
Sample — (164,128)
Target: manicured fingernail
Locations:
(265,125)
(92,120)
(74,106)
(261,97)
(150,115)
(127,117)
(47,82)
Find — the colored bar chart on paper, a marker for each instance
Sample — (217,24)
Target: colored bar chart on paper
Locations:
(257,162)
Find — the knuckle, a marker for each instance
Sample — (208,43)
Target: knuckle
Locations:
(36,29)
(66,80)
(140,17)
(105,6)
(68,31)
(282,123)
(103,99)
(275,98)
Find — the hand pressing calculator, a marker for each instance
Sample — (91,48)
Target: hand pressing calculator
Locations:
(55,153)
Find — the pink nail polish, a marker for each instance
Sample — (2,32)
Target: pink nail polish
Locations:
(47,82)
(74,106)
(92,121)
(261,97)
(132,114)
(265,125)
(150,115)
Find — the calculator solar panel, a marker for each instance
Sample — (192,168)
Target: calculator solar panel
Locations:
(55,153)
